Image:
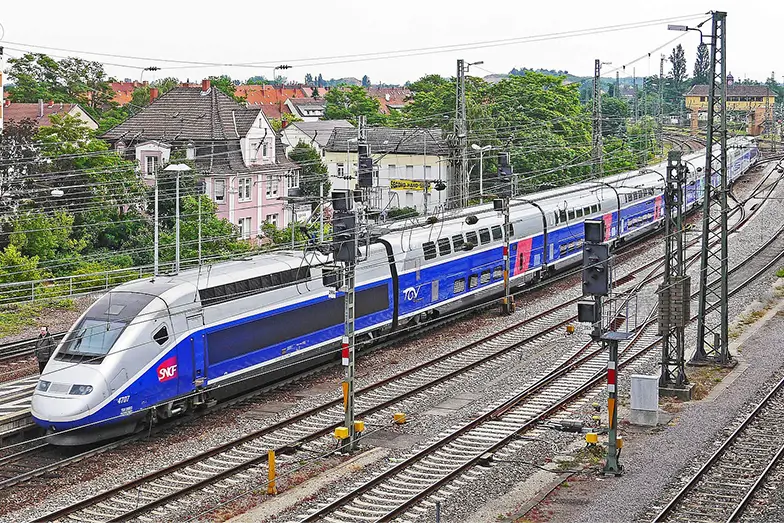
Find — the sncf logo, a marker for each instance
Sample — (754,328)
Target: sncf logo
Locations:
(167,370)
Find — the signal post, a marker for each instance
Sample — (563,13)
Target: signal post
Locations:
(597,283)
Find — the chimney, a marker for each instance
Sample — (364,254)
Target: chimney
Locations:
(51,103)
(40,108)
(205,86)
(153,94)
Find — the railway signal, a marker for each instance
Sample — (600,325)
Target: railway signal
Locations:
(597,282)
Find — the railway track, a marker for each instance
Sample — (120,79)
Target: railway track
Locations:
(723,487)
(328,416)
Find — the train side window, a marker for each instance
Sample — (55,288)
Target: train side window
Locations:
(571,215)
(511,229)
(484,277)
(579,213)
(498,273)
(459,286)
(458,241)
(444,247)
(430,250)
(161,336)
(498,234)
(562,213)
(484,236)
(471,238)
(586,211)
(473,281)
(555,213)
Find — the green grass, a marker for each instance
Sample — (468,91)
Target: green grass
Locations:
(780,273)
(14,318)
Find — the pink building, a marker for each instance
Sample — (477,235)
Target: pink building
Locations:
(233,146)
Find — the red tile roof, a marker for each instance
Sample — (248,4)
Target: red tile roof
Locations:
(123,91)
(390,96)
(258,94)
(32,111)
(274,110)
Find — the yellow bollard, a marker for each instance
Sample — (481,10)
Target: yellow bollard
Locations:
(591,438)
(271,489)
(399,418)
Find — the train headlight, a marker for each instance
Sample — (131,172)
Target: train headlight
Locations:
(43,386)
(81,390)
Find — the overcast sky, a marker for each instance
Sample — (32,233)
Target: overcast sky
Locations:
(309,34)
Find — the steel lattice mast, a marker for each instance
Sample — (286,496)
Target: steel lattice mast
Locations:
(596,131)
(458,189)
(712,326)
(674,293)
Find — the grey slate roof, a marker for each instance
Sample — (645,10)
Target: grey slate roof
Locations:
(391,141)
(733,90)
(184,113)
(321,130)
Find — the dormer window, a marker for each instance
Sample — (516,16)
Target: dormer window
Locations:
(120,148)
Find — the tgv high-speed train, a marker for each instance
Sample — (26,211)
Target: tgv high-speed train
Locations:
(154,348)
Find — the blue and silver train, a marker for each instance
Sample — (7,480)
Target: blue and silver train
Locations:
(152,349)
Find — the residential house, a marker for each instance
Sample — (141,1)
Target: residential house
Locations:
(308,109)
(390,98)
(270,98)
(409,163)
(123,91)
(752,102)
(315,133)
(234,148)
(40,112)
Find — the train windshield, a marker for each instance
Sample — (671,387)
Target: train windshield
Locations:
(105,320)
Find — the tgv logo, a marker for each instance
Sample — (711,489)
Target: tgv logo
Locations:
(167,370)
(410,294)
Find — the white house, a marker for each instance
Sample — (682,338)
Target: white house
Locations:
(409,166)
(316,133)
(309,109)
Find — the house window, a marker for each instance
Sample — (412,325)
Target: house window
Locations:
(244,189)
(292,180)
(220,191)
(272,218)
(392,171)
(244,224)
(272,187)
(428,171)
(264,149)
(341,169)
(150,165)
(409,172)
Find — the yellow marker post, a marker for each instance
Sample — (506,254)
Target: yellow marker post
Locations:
(610,411)
(271,489)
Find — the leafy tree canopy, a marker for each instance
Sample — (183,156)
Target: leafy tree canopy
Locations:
(350,102)
(313,171)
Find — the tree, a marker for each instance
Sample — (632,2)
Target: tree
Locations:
(20,159)
(678,75)
(16,267)
(366,81)
(219,236)
(308,79)
(313,171)
(37,76)
(316,93)
(614,114)
(164,85)
(225,84)
(257,80)
(44,236)
(287,118)
(351,102)
(701,65)
(320,82)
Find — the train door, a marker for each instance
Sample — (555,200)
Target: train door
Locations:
(198,350)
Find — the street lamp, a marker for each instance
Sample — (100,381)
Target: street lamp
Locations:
(178,168)
(481,150)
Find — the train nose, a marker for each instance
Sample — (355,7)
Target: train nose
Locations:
(66,395)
